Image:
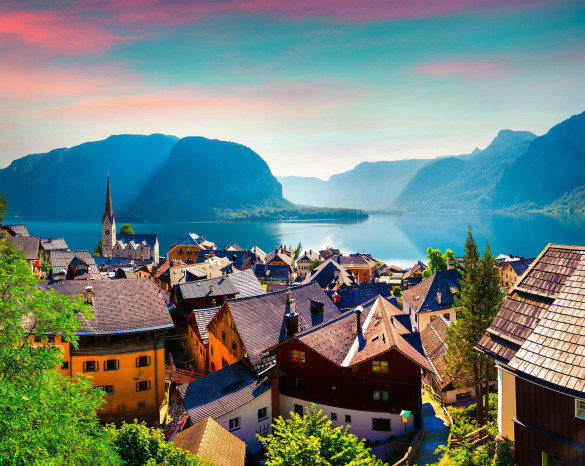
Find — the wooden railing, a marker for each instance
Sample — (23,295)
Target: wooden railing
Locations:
(438,398)
(412,450)
(477,436)
(180,376)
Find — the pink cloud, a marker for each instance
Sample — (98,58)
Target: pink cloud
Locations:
(465,70)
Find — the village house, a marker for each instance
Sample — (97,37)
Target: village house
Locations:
(413,276)
(362,368)
(331,276)
(273,273)
(303,263)
(170,273)
(52,244)
(431,298)
(73,265)
(122,347)
(281,256)
(352,296)
(241,260)
(131,246)
(537,342)
(362,266)
(257,255)
(14,230)
(511,271)
(328,253)
(29,245)
(187,249)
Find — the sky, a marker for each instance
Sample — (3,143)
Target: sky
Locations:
(313,86)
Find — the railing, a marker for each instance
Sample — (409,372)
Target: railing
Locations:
(477,436)
(438,398)
(412,450)
(180,376)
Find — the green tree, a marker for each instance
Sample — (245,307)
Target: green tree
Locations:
(477,305)
(126,229)
(140,445)
(310,440)
(46,418)
(98,251)
(3,207)
(397,292)
(313,265)
(298,250)
(426,274)
(438,260)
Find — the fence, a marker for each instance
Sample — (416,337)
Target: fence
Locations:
(180,376)
(474,438)
(412,450)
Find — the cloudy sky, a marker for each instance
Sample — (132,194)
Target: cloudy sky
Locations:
(313,86)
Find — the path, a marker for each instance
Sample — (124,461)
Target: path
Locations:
(437,432)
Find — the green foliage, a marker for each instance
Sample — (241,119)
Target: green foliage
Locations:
(126,229)
(46,418)
(140,445)
(438,261)
(288,212)
(298,250)
(397,292)
(310,440)
(97,251)
(314,264)
(379,264)
(426,274)
(3,207)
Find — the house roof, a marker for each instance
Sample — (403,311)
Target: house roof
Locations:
(424,297)
(339,341)
(540,329)
(272,271)
(310,256)
(355,295)
(60,260)
(246,283)
(520,266)
(418,267)
(258,253)
(29,245)
(238,258)
(212,443)
(202,318)
(235,247)
(433,339)
(182,273)
(54,244)
(209,288)
(331,275)
(282,254)
(222,391)
(114,262)
(119,306)
(149,239)
(261,323)
(191,239)
(16,230)
(355,261)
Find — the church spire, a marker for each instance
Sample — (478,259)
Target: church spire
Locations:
(109,210)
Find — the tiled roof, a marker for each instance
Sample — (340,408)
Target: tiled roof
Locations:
(418,267)
(60,260)
(221,286)
(353,296)
(191,239)
(202,318)
(355,261)
(183,273)
(238,258)
(212,443)
(27,244)
(222,391)
(310,256)
(115,262)
(282,254)
(272,271)
(331,275)
(520,266)
(119,306)
(339,341)
(149,239)
(433,339)
(54,244)
(424,297)
(235,247)
(258,253)
(246,283)
(272,287)
(540,329)
(261,323)
(16,230)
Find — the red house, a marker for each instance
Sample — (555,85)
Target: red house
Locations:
(362,369)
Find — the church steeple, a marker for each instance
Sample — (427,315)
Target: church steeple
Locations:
(108,225)
(109,210)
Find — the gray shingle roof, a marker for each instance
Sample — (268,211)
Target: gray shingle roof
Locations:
(202,318)
(433,339)
(520,266)
(119,306)
(149,239)
(223,391)
(331,275)
(221,286)
(17,230)
(424,296)
(27,244)
(247,284)
(60,260)
(55,244)
(353,296)
(272,271)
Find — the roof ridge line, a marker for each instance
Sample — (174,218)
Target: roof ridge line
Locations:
(356,342)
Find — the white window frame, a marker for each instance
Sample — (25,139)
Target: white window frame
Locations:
(265,409)
(234,424)
(579,408)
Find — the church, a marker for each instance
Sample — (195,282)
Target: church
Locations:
(136,247)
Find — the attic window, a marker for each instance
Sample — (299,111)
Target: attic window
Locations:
(416,298)
(454,290)
(375,337)
(316,306)
(233,386)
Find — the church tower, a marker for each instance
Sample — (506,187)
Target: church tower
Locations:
(108,225)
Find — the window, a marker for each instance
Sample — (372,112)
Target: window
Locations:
(298,355)
(109,389)
(333,389)
(334,416)
(380,395)
(51,339)
(90,366)
(212,350)
(234,347)
(299,410)
(447,316)
(142,405)
(347,418)
(143,386)
(580,408)
(111,365)
(380,366)
(262,413)
(143,361)
(299,384)
(180,250)
(224,363)
(433,318)
(222,336)
(381,424)
(65,365)
(234,424)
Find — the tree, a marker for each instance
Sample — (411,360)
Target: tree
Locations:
(477,305)
(126,229)
(298,250)
(3,207)
(300,441)
(98,250)
(140,445)
(46,418)
(313,265)
(438,261)
(426,274)
(397,292)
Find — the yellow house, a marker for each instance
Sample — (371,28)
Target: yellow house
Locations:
(511,271)
(187,249)
(122,348)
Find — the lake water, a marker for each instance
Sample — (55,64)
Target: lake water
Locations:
(394,239)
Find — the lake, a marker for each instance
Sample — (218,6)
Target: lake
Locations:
(395,239)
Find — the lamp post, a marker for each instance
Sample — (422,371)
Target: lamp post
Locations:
(405,415)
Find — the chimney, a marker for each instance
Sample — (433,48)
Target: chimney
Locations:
(49,239)
(358,315)
(439,297)
(89,298)
(171,263)
(62,274)
(211,288)
(292,321)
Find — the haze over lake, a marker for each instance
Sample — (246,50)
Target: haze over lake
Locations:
(394,239)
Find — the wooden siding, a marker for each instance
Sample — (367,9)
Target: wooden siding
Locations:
(546,420)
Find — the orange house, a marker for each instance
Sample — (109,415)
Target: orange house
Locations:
(187,249)
(362,267)
(225,344)
(122,347)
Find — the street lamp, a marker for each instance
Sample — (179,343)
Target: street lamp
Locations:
(405,415)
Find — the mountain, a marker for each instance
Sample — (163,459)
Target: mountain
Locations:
(369,185)
(464,182)
(551,171)
(202,176)
(69,184)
